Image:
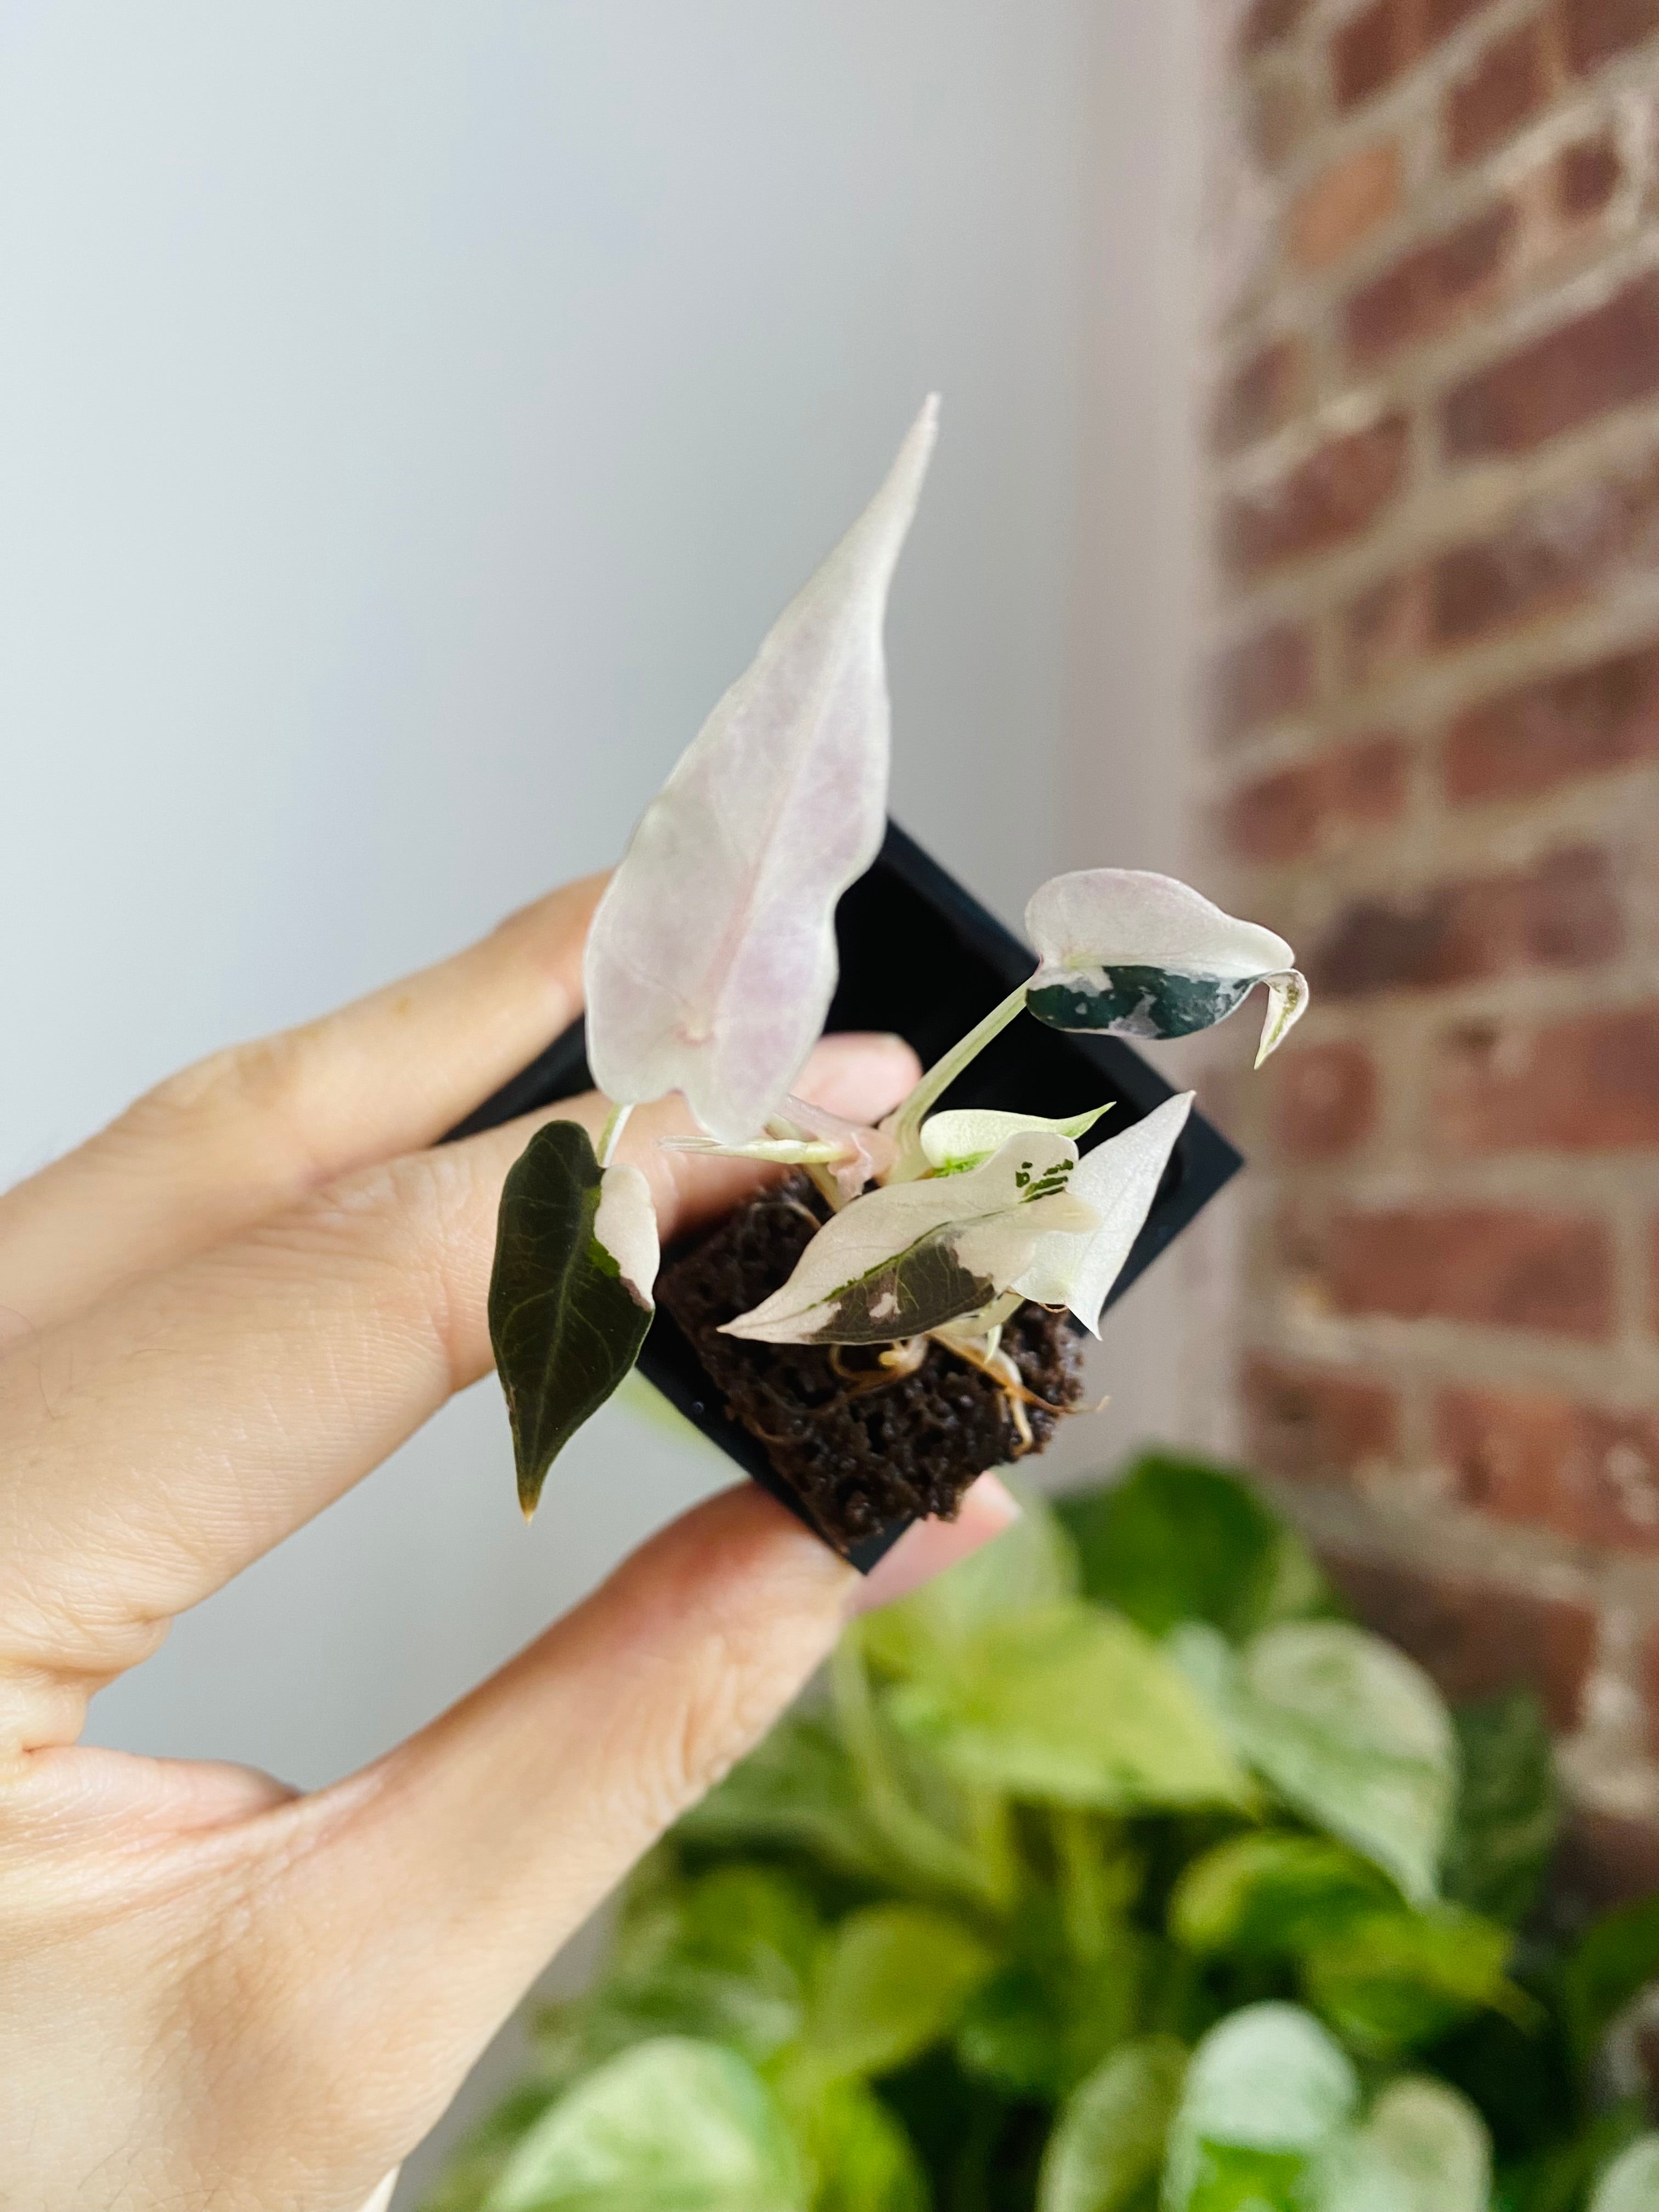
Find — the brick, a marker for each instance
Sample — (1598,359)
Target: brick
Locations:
(1562,911)
(1384,629)
(1324,1100)
(1590,1084)
(1586,176)
(1556,729)
(1311,1421)
(1552,551)
(1595,30)
(1605,1859)
(1425,292)
(1487,1265)
(1278,113)
(1262,395)
(1263,677)
(1343,205)
(1509,82)
(1476,1638)
(1605,359)
(1320,803)
(1379,44)
(1336,493)
(1534,1456)
(1269,20)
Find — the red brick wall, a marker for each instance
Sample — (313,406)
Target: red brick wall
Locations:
(1435,733)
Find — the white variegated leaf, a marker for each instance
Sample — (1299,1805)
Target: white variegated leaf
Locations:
(911,1257)
(1119,1179)
(1147,956)
(711,960)
(966,1136)
(625,1229)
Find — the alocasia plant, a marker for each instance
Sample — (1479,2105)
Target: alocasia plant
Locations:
(710,967)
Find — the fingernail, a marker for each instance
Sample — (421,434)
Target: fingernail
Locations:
(930,1546)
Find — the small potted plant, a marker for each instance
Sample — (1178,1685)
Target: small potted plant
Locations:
(910,1294)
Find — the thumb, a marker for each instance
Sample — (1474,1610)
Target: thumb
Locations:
(449,1872)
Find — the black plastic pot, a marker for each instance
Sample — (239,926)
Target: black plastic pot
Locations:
(921,958)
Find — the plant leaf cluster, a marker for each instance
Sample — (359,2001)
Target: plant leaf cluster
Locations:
(1116,1871)
(709,968)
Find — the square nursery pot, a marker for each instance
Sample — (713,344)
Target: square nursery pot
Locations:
(957,962)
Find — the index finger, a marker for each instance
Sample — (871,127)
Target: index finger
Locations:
(252,1129)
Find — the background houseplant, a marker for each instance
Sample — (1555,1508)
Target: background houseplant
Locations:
(1114,1870)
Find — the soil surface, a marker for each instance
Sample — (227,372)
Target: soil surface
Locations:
(859,1458)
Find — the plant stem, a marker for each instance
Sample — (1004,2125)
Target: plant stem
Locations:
(909,1157)
(610,1136)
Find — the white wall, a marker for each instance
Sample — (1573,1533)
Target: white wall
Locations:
(410,417)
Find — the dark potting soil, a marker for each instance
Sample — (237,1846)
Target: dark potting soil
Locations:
(858,1460)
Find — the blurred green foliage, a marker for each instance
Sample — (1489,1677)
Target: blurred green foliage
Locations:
(1113,1872)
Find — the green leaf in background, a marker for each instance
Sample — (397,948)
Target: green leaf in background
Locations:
(1068,1704)
(1396,1980)
(1031,1563)
(1436,2143)
(725,1958)
(861,2159)
(1630,2183)
(1607,1966)
(566,1321)
(479,2160)
(797,1789)
(1108,2142)
(1356,1737)
(1178,1539)
(1266,2092)
(1508,1807)
(1047,2016)
(672,2125)
(894,1978)
(1272,1894)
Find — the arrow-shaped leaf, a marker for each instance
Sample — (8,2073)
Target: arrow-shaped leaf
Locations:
(910,1257)
(570,1295)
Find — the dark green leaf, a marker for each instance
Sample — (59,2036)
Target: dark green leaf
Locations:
(1508,1807)
(565,1325)
(1178,1539)
(1143,1002)
(1613,1959)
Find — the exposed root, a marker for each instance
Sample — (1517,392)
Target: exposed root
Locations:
(1002,1368)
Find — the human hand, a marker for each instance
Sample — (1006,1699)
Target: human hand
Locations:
(215,1318)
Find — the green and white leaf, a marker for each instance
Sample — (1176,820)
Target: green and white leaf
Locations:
(711,959)
(1068,1705)
(1356,1737)
(673,2126)
(1147,956)
(893,1980)
(1030,1564)
(570,1293)
(965,1137)
(1266,2091)
(1630,2183)
(1436,2143)
(1108,2142)
(1120,1179)
(902,1260)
